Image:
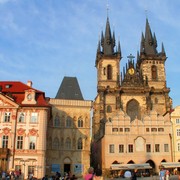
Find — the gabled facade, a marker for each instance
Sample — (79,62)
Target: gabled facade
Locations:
(68,141)
(24,112)
(131,122)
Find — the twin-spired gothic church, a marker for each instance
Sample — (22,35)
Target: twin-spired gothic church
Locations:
(131,120)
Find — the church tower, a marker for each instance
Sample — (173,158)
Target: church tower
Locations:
(143,85)
(108,76)
(131,110)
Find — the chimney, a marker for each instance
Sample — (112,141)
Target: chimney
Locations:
(29,83)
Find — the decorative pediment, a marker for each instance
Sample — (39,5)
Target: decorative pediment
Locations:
(7,102)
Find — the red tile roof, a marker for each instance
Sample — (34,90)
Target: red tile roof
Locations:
(16,90)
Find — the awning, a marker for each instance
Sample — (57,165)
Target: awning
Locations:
(170,164)
(130,166)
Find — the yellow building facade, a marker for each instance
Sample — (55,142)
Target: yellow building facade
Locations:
(175,118)
(68,141)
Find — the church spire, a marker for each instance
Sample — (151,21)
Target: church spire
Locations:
(108,41)
(150,41)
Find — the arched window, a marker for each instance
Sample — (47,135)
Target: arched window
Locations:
(156,100)
(109,72)
(49,143)
(154,72)
(56,121)
(56,143)
(68,143)
(109,109)
(133,109)
(80,122)
(68,121)
(80,143)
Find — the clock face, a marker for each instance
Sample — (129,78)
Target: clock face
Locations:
(131,71)
(29,96)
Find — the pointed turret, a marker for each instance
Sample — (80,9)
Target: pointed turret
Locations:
(163,50)
(150,43)
(142,43)
(108,41)
(119,49)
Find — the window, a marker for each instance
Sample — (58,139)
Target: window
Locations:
(34,117)
(130,148)
(21,117)
(32,142)
(5,142)
(157,148)
(161,129)
(109,72)
(178,132)
(68,143)
(68,122)
(80,122)
(19,142)
(166,147)
(56,121)
(127,129)
(153,129)
(111,148)
(154,72)
(178,147)
(7,117)
(133,109)
(56,143)
(177,121)
(121,148)
(109,109)
(80,144)
(147,129)
(148,147)
(120,129)
(115,129)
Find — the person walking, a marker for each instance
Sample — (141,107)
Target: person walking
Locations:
(162,174)
(90,174)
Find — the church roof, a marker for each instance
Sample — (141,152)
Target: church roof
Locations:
(69,89)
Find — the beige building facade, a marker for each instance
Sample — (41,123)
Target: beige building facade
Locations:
(24,113)
(131,119)
(68,148)
(175,119)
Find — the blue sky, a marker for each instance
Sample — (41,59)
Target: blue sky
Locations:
(45,40)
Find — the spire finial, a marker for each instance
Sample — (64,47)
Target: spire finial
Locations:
(107,8)
(146,13)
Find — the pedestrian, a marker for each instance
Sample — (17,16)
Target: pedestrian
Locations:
(90,174)
(98,175)
(134,176)
(162,174)
(167,174)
